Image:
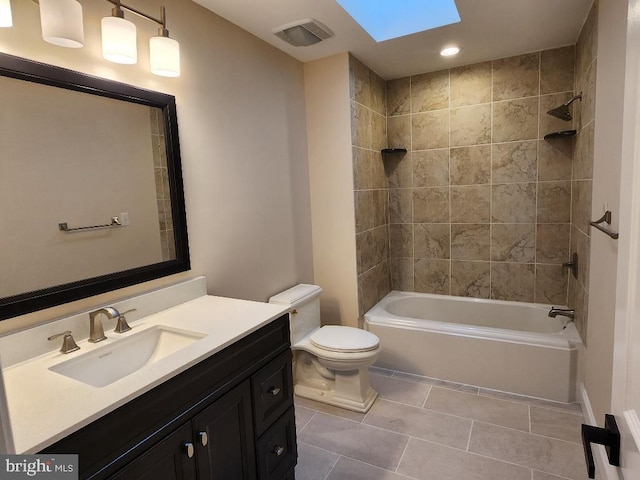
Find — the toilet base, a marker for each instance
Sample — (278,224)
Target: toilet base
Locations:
(329,397)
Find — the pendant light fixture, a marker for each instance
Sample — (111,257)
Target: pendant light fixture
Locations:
(164,52)
(61,22)
(5,14)
(119,38)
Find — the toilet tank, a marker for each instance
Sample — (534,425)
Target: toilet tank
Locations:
(303,302)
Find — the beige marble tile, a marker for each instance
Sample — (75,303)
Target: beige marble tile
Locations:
(514,162)
(303,415)
(431,205)
(431,168)
(367,292)
(378,94)
(549,123)
(401,240)
(581,244)
(360,125)
(362,169)
(430,91)
(402,274)
(378,131)
(584,153)
(470,204)
(365,250)
(471,279)
(431,276)
(555,157)
(516,77)
(360,80)
(347,468)
(400,205)
(431,240)
(314,463)
(399,132)
(155,120)
(514,242)
(328,409)
(399,169)
(554,202)
(430,461)
(515,120)
(552,243)
(483,409)
(470,125)
(552,423)
(381,243)
(588,104)
(471,85)
(380,207)
(551,284)
(471,165)
(470,241)
(587,45)
(378,173)
(372,445)
(364,210)
(513,281)
(513,203)
(417,422)
(533,451)
(399,390)
(430,130)
(581,204)
(398,97)
(557,69)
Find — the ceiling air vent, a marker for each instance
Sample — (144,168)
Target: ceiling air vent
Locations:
(303,32)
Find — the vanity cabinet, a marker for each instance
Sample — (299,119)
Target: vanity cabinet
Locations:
(228,417)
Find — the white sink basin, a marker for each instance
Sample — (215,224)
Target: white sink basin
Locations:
(107,364)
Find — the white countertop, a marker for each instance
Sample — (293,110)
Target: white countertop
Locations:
(45,406)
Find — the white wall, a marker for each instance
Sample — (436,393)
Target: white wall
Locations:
(241,115)
(332,200)
(606,190)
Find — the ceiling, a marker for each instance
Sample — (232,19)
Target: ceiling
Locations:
(489,29)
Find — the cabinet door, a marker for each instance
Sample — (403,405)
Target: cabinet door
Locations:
(224,437)
(171,459)
(272,392)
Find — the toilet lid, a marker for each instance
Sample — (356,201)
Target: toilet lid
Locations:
(344,339)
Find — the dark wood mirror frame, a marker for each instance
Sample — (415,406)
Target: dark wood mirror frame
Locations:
(27,70)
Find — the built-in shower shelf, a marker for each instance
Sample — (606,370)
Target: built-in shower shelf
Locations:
(393,150)
(563,133)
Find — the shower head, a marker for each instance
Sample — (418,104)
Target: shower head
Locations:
(562,112)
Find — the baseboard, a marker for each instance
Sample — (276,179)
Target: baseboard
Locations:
(604,471)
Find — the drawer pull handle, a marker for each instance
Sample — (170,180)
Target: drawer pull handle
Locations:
(204,438)
(278,450)
(274,391)
(188,449)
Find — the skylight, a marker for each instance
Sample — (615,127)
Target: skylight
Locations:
(387,19)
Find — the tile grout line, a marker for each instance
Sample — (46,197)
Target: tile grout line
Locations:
(470,432)
(333,466)
(308,421)
(406,446)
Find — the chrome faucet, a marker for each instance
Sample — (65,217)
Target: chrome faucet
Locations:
(96,332)
(565,312)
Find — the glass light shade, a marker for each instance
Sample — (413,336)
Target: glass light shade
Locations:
(61,22)
(119,40)
(450,51)
(5,13)
(164,56)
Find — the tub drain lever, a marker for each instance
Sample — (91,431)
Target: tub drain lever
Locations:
(609,436)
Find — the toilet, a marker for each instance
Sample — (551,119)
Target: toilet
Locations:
(331,363)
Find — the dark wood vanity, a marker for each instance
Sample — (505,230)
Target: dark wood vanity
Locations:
(229,417)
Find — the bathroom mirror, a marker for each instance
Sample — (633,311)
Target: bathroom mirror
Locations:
(91,192)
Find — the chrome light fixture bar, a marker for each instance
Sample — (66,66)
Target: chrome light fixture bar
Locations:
(62,25)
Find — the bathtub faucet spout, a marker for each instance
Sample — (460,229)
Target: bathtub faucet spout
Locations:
(565,312)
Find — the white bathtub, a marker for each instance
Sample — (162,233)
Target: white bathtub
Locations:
(507,346)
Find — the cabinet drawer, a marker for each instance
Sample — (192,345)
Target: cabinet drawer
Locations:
(277,449)
(272,388)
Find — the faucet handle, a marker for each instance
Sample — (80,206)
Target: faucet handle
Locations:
(122,325)
(68,343)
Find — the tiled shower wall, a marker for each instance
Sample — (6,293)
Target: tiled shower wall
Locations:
(480,205)
(584,115)
(369,136)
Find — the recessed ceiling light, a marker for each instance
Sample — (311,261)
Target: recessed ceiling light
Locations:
(450,51)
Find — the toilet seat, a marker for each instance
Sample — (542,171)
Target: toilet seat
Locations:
(334,338)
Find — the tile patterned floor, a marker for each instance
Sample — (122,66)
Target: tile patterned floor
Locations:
(426,429)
